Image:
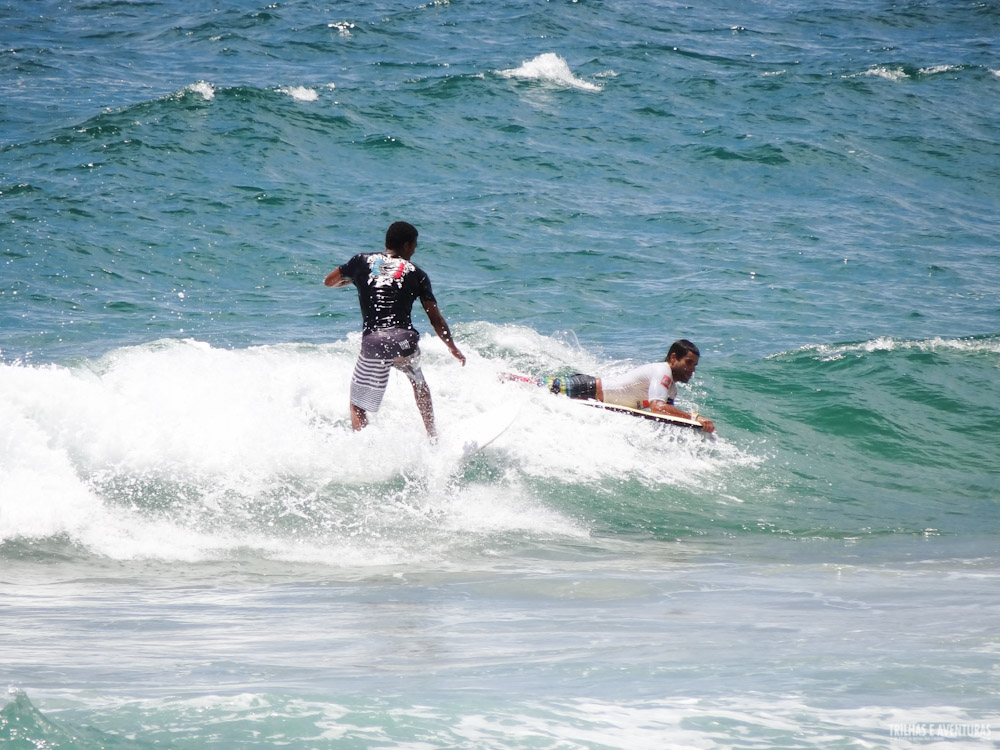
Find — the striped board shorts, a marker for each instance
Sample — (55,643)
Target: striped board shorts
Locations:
(380,352)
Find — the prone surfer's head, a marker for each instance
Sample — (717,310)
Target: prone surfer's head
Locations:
(680,348)
(683,358)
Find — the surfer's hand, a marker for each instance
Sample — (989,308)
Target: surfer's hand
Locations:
(458,355)
(707,425)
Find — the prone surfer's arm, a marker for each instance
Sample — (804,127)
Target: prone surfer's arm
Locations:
(662,407)
(334,278)
(441,328)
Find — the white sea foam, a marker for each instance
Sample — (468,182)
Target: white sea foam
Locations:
(598,722)
(935,69)
(204,88)
(882,71)
(551,68)
(887,343)
(344,28)
(300,93)
(178,450)
(694,723)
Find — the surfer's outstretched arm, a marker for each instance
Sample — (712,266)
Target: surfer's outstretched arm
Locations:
(441,328)
(662,407)
(335,278)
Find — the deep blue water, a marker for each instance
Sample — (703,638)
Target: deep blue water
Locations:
(195,550)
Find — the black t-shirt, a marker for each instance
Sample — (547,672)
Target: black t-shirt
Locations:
(387,287)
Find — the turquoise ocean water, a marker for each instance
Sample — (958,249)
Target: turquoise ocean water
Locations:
(195,550)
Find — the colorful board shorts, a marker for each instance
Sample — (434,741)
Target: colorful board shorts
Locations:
(381,351)
(574,386)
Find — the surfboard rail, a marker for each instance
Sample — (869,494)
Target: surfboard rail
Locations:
(644,414)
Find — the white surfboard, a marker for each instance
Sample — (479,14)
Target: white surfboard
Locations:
(644,414)
(480,430)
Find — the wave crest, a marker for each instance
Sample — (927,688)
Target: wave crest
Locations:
(549,68)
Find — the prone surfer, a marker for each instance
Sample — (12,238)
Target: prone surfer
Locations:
(388,283)
(652,386)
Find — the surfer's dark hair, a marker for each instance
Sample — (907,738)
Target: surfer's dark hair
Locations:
(681,348)
(398,234)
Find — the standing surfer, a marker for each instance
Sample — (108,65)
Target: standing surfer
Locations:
(388,283)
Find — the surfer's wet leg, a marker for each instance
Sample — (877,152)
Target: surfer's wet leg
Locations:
(410,366)
(359,418)
(422,394)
